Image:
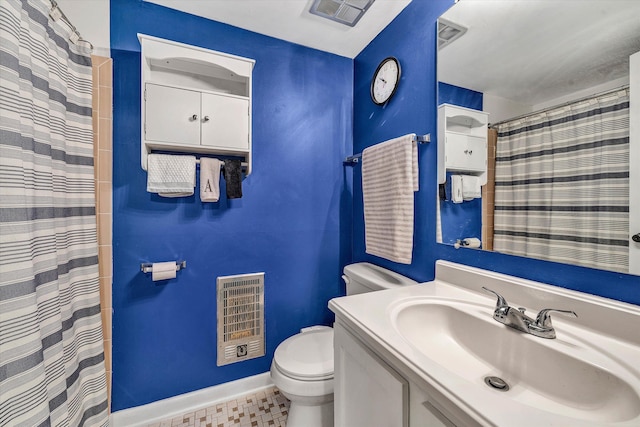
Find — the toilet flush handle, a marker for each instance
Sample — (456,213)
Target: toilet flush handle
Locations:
(346,279)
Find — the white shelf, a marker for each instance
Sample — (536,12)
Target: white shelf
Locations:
(194,100)
(462,142)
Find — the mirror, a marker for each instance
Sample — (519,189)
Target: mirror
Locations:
(515,59)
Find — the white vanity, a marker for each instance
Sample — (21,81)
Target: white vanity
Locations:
(433,355)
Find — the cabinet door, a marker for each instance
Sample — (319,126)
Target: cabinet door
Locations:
(169,115)
(367,391)
(465,153)
(225,122)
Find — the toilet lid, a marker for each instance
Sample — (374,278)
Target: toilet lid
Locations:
(308,355)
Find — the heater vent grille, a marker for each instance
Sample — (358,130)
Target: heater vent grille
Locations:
(240,301)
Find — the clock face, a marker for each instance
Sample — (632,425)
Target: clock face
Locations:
(385,80)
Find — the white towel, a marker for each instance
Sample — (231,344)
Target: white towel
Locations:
(209,179)
(171,176)
(456,189)
(389,179)
(471,188)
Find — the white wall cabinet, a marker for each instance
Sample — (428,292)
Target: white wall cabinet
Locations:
(193,118)
(462,142)
(172,115)
(195,101)
(225,122)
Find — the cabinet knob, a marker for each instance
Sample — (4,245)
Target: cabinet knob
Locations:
(205,119)
(194,117)
(468,152)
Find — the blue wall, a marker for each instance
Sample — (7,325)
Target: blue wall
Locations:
(411,38)
(293,222)
(298,221)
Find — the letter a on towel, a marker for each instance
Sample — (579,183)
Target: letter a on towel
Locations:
(209,179)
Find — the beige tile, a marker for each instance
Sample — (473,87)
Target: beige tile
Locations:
(107,356)
(95,102)
(104,103)
(105,315)
(105,134)
(104,229)
(104,197)
(104,166)
(105,293)
(97,60)
(105,73)
(105,261)
(491,198)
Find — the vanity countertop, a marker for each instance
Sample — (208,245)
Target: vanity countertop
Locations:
(435,334)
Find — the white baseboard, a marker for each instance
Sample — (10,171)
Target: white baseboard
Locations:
(189,402)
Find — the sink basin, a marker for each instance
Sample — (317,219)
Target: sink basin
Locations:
(566,376)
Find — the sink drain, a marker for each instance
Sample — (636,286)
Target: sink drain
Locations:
(497,383)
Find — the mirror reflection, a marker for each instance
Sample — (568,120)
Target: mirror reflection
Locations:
(555,81)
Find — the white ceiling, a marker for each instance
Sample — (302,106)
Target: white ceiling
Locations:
(527,51)
(290,20)
(531,52)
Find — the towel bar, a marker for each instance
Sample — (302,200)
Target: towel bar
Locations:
(244,164)
(353,160)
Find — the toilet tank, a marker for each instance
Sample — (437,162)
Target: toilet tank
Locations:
(364,277)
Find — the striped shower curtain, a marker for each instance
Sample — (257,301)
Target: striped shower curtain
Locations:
(51,353)
(562,184)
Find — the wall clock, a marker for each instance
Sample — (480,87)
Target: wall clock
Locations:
(385,80)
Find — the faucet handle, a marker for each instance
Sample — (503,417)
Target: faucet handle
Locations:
(543,319)
(501,301)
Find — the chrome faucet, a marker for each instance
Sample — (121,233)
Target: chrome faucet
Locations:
(516,318)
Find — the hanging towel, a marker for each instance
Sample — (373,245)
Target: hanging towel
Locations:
(389,179)
(233,177)
(471,187)
(209,179)
(456,189)
(171,176)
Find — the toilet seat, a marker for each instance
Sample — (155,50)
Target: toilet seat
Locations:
(307,355)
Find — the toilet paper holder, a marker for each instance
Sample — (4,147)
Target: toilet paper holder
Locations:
(147,267)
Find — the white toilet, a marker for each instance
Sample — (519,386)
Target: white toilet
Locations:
(302,366)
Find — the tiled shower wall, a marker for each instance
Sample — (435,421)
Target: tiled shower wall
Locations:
(103,161)
(489,192)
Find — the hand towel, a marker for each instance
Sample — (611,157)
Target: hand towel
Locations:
(389,179)
(456,189)
(233,178)
(471,187)
(171,176)
(209,179)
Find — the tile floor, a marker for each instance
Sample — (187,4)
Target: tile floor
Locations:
(266,408)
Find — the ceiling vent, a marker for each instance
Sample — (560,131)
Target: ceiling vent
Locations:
(347,12)
(448,32)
